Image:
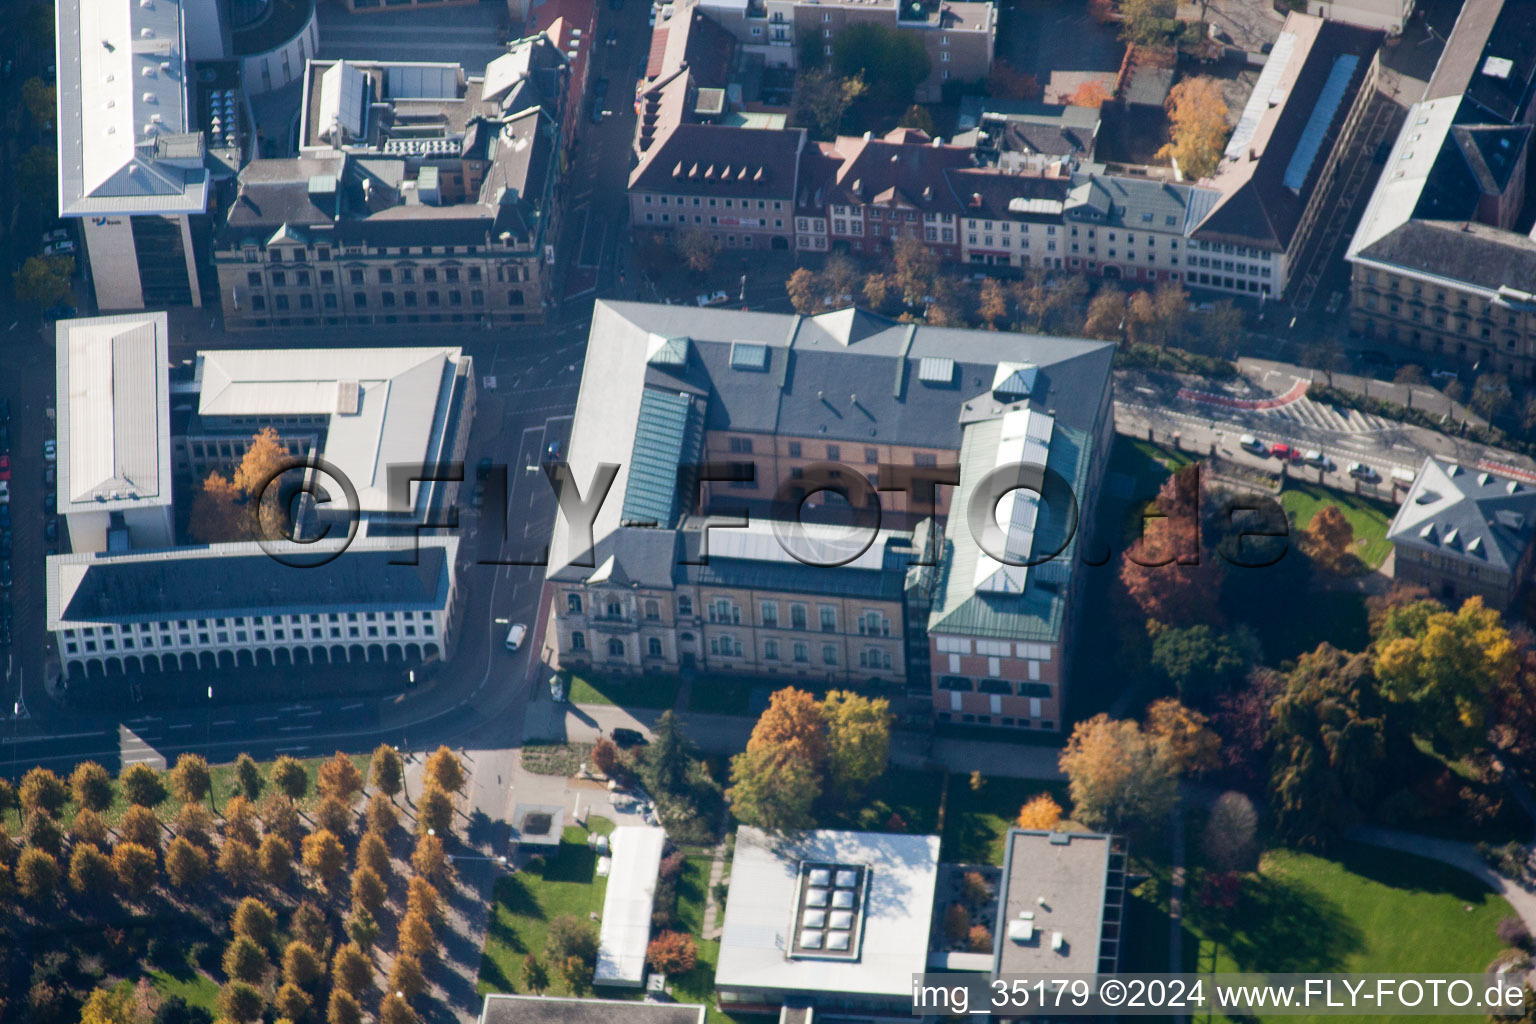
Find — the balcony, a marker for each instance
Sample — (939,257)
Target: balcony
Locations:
(613,623)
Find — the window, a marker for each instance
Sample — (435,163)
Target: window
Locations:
(797,616)
(355,276)
(684,605)
(770,650)
(801,652)
(871,455)
(770,611)
(741,445)
(829,654)
(828,615)
(652,610)
(957,683)
(794,449)
(834,453)
(578,641)
(615,648)
(654,647)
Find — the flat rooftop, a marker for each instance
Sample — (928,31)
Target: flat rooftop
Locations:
(1051,911)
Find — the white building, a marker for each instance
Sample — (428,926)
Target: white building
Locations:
(223,605)
(835,920)
(129,165)
(627,905)
(114,432)
(1389,15)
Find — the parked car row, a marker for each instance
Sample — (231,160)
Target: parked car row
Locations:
(1314,457)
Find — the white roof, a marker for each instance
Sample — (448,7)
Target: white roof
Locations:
(1402,181)
(760,912)
(121,88)
(342,89)
(113,412)
(399,396)
(1025,442)
(626,928)
(773,540)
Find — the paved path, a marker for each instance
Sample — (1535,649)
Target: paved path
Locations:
(712,925)
(1457,854)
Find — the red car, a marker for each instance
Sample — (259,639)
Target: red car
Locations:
(1285,453)
(5,467)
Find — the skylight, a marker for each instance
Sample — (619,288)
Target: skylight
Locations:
(829,911)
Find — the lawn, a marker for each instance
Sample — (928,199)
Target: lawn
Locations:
(526,902)
(1368,911)
(977,822)
(649,691)
(1370,519)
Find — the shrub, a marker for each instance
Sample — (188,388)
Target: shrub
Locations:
(672,953)
(142,785)
(91,785)
(1513,932)
(957,923)
(41,790)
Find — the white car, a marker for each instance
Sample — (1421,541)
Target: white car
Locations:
(50,450)
(56,235)
(1360,471)
(515,636)
(1250,443)
(1318,459)
(713,299)
(64,248)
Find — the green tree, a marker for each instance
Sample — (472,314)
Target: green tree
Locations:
(288,775)
(571,936)
(386,771)
(821,100)
(858,741)
(245,960)
(1443,668)
(142,785)
(665,760)
(893,63)
(43,833)
(248,776)
(362,929)
(1329,736)
(37,175)
(191,779)
(1118,775)
(917,117)
(91,786)
(43,281)
(1148,22)
(240,1003)
(136,868)
(41,101)
(1197,661)
(113,1005)
(90,871)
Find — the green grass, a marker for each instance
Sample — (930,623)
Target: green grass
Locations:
(976,823)
(650,691)
(1370,519)
(912,794)
(196,988)
(526,902)
(718,695)
(1368,910)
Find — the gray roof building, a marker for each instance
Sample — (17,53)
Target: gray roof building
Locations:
(1469,515)
(514,1009)
(1061,903)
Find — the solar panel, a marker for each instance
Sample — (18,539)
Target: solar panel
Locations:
(1323,112)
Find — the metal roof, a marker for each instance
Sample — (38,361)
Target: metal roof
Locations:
(936,370)
(1323,113)
(747,356)
(667,430)
(627,903)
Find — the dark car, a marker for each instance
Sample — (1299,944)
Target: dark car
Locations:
(600,88)
(50,501)
(552,452)
(5,515)
(626,738)
(50,477)
(51,530)
(597,111)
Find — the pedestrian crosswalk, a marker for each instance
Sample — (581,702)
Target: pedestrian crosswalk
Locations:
(1326,417)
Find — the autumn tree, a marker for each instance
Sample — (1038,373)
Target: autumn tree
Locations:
(1188,741)
(90,871)
(343,1008)
(429,859)
(416,937)
(324,855)
(301,964)
(406,977)
(292,1002)
(434,811)
(917,117)
(393,1009)
(858,744)
(248,776)
(340,778)
(309,924)
(237,863)
(778,778)
(1230,838)
(1329,735)
(245,960)
(697,248)
(240,1003)
(114,1005)
(1197,126)
(240,821)
(1327,538)
(289,777)
(957,923)
(1106,314)
(195,823)
(42,790)
(914,269)
(1090,94)
(217,513)
(422,899)
(275,858)
(979,939)
(37,875)
(142,785)
(255,920)
(43,833)
(87,827)
(1158,317)
(1039,812)
(993,305)
(386,770)
(1163,570)
(136,868)
(361,928)
(368,889)
(381,816)
(281,816)
(190,778)
(186,864)
(804,291)
(351,970)
(334,816)
(1117,774)
(672,953)
(1443,668)
(142,826)
(91,786)
(373,854)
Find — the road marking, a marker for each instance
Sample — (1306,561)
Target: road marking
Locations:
(293,728)
(352,707)
(59,736)
(309,714)
(291,750)
(268,718)
(229,721)
(182,725)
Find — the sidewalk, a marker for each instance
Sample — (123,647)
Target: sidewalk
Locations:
(1456,854)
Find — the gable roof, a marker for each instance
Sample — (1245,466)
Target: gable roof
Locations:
(1467,514)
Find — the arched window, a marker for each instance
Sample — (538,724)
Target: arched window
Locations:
(615,610)
(615,648)
(573,603)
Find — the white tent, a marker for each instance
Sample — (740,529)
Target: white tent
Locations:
(626,929)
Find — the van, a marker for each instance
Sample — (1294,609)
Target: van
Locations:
(515,636)
(1404,477)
